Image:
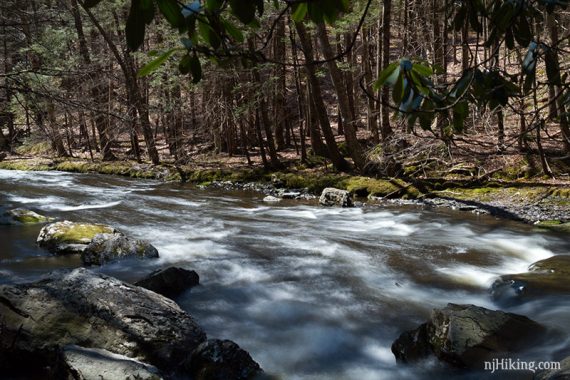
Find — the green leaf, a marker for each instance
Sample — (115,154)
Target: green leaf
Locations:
(172,12)
(299,12)
(213,5)
(135,28)
(418,83)
(316,13)
(552,67)
(460,113)
(234,32)
(509,39)
(184,64)
(155,63)
(209,35)
(522,32)
(461,85)
(388,76)
(244,10)
(398,91)
(195,69)
(426,120)
(91,3)
(260,7)
(422,70)
(460,18)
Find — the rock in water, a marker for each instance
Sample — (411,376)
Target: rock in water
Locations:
(96,364)
(335,197)
(170,282)
(544,278)
(84,308)
(23,216)
(271,199)
(221,360)
(67,237)
(466,336)
(106,247)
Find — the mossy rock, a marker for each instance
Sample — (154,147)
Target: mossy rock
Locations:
(68,237)
(25,165)
(545,278)
(23,216)
(554,225)
(365,186)
(559,264)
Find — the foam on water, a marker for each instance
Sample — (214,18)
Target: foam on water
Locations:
(471,275)
(64,207)
(40,200)
(529,248)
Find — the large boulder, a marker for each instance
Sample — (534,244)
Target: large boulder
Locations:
(67,237)
(107,247)
(89,309)
(335,197)
(95,364)
(23,216)
(221,360)
(545,277)
(170,282)
(466,336)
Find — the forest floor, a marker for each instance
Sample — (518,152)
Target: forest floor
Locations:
(503,192)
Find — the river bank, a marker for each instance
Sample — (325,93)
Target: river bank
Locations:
(544,203)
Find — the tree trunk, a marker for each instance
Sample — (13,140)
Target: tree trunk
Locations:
(127,67)
(98,91)
(279,52)
(348,121)
(336,158)
(386,130)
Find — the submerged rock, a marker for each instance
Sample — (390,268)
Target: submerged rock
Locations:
(23,216)
(96,364)
(221,360)
(106,247)
(84,308)
(67,237)
(335,197)
(545,277)
(466,336)
(271,198)
(170,282)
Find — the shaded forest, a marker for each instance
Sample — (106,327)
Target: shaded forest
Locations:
(390,88)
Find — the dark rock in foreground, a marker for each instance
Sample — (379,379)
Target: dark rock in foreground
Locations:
(466,336)
(335,197)
(96,364)
(170,282)
(104,248)
(91,310)
(544,278)
(222,360)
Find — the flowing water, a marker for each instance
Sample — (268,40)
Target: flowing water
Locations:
(310,292)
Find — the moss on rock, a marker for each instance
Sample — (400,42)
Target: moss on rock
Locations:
(365,186)
(67,237)
(24,216)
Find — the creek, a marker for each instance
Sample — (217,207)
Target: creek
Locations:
(310,292)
